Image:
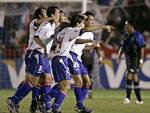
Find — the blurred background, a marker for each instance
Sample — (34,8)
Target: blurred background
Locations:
(14,34)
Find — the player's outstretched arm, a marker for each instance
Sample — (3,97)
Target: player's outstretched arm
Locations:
(37,40)
(82,41)
(121,51)
(94,28)
(40,21)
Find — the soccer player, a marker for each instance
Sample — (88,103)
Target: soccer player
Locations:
(65,39)
(88,56)
(132,45)
(39,63)
(79,72)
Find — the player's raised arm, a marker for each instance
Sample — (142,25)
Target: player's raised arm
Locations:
(82,41)
(39,21)
(37,40)
(96,27)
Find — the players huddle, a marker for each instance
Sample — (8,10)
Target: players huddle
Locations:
(72,38)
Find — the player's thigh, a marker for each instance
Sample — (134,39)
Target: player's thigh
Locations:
(48,77)
(135,77)
(77,79)
(86,80)
(64,85)
(34,80)
(129,76)
(27,77)
(41,80)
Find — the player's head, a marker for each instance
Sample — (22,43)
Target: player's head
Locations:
(77,21)
(62,16)
(53,11)
(90,19)
(40,13)
(129,25)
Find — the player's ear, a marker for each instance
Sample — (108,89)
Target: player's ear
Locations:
(40,16)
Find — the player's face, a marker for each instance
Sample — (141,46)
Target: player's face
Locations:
(62,17)
(57,14)
(127,26)
(81,25)
(90,21)
(43,11)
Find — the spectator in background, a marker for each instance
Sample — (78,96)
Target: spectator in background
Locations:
(4,35)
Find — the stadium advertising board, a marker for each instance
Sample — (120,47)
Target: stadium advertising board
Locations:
(109,76)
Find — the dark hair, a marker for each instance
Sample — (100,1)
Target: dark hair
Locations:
(87,13)
(51,10)
(38,12)
(131,22)
(61,11)
(76,19)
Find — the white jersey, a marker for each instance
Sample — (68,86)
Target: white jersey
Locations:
(32,30)
(44,32)
(78,48)
(65,39)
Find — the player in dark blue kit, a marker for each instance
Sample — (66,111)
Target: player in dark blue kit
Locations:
(132,45)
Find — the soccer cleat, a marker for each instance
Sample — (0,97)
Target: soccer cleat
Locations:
(47,111)
(40,103)
(139,102)
(57,111)
(33,107)
(12,107)
(83,110)
(90,94)
(126,101)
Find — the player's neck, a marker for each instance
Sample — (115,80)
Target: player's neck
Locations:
(131,31)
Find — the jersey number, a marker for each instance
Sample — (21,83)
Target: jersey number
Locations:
(60,41)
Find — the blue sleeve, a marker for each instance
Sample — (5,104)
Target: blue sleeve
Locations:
(140,40)
(36,36)
(80,33)
(122,43)
(95,38)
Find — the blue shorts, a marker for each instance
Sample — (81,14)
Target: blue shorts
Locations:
(60,68)
(27,59)
(76,67)
(38,65)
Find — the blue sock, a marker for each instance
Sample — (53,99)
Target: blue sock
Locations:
(19,87)
(85,92)
(54,92)
(79,95)
(22,92)
(47,98)
(35,92)
(58,101)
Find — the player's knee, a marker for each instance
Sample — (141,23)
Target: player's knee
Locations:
(129,76)
(79,82)
(65,87)
(88,84)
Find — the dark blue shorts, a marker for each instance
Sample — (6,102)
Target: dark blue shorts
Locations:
(60,68)
(38,65)
(76,67)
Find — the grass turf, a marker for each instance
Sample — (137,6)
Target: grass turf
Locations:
(104,101)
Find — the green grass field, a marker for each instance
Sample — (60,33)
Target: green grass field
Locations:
(104,101)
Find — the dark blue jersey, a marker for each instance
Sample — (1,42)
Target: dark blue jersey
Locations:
(93,52)
(132,43)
